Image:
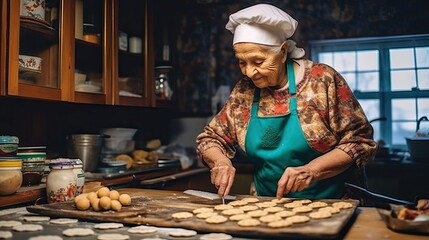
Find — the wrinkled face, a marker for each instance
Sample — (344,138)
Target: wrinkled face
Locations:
(264,67)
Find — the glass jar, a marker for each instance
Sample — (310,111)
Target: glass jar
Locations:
(61,181)
(80,176)
(10,175)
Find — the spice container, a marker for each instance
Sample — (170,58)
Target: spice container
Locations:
(33,164)
(8,145)
(61,181)
(10,175)
(80,175)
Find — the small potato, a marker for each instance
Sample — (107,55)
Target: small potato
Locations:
(125,199)
(114,195)
(78,197)
(104,191)
(83,204)
(91,195)
(105,203)
(116,205)
(95,204)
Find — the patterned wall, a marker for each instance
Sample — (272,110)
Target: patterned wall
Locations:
(204,55)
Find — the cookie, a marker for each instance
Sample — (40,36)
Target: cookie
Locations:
(142,229)
(216,219)
(292,205)
(9,223)
(285,213)
(28,228)
(216,236)
(282,200)
(223,207)
(5,234)
(206,214)
(317,204)
(202,210)
(78,232)
(330,209)
(232,211)
(248,222)
(113,236)
(63,220)
(36,218)
(249,208)
(270,218)
(302,209)
(108,225)
(250,199)
(273,209)
(342,205)
(257,213)
(298,219)
(320,214)
(239,217)
(46,237)
(238,203)
(182,233)
(279,224)
(182,215)
(266,204)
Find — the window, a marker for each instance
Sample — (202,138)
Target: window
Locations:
(389,76)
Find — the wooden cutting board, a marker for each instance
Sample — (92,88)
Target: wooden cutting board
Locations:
(155,207)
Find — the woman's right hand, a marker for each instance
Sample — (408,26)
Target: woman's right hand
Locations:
(222,176)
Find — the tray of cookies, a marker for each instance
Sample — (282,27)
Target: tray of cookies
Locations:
(245,216)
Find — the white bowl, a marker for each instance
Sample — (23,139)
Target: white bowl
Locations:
(121,133)
(118,145)
(33,8)
(30,63)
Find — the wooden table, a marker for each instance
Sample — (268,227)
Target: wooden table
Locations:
(369,225)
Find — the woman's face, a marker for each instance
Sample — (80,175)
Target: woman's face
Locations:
(262,66)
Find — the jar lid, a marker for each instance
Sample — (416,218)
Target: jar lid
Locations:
(11,164)
(9,139)
(61,163)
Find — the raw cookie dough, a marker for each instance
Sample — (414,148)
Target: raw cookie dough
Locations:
(78,232)
(270,218)
(320,214)
(5,234)
(285,213)
(142,229)
(248,222)
(342,205)
(216,219)
(63,220)
(46,237)
(257,213)
(239,217)
(250,199)
(266,204)
(273,209)
(279,224)
(28,228)
(182,215)
(202,210)
(317,204)
(182,233)
(113,236)
(9,223)
(302,209)
(223,207)
(298,219)
(232,211)
(330,209)
(108,225)
(36,218)
(206,214)
(216,236)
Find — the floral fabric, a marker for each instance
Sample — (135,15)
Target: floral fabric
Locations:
(330,115)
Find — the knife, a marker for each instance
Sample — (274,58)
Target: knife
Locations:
(207,195)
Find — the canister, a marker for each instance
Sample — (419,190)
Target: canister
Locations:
(80,175)
(8,146)
(10,175)
(61,181)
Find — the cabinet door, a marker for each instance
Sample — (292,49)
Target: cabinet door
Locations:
(92,35)
(35,50)
(133,62)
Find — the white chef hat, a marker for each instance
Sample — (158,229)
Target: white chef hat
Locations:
(264,24)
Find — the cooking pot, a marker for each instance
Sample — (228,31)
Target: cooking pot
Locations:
(86,147)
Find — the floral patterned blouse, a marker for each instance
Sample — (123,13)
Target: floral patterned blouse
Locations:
(329,114)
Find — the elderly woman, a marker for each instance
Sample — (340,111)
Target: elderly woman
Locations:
(296,120)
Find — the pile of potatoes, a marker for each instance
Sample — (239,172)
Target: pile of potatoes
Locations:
(102,200)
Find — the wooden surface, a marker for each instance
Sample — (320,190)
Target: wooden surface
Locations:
(155,207)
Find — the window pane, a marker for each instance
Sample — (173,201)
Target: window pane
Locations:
(400,130)
(371,107)
(344,61)
(422,57)
(402,58)
(326,58)
(423,107)
(368,82)
(367,60)
(404,109)
(403,80)
(423,76)
(351,80)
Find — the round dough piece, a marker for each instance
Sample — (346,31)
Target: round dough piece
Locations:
(222,207)
(216,219)
(36,218)
(250,199)
(63,220)
(292,205)
(303,201)
(113,236)
(302,209)
(108,225)
(248,222)
(257,213)
(78,232)
(232,211)
(5,234)
(103,192)
(9,223)
(273,209)
(281,200)
(330,209)
(142,229)
(249,208)
(270,218)
(153,238)
(216,236)
(342,205)
(182,215)
(298,219)
(28,228)
(202,210)
(317,204)
(238,203)
(266,204)
(239,217)
(46,237)
(205,215)
(125,199)
(285,213)
(182,233)
(280,223)
(320,214)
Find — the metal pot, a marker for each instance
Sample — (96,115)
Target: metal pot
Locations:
(86,147)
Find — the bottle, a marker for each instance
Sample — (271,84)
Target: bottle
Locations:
(80,176)
(61,181)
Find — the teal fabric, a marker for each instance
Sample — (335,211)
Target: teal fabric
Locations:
(276,143)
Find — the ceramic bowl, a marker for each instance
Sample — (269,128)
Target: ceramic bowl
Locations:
(120,133)
(33,8)
(30,63)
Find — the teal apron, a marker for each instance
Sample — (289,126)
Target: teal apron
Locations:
(275,143)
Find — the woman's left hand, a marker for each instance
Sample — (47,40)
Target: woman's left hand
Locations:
(294,179)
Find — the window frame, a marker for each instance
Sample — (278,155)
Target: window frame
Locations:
(385,95)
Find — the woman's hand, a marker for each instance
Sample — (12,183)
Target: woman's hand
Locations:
(222,176)
(295,179)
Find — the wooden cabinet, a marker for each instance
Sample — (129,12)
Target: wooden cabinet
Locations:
(78,44)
